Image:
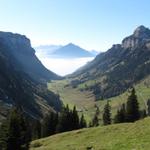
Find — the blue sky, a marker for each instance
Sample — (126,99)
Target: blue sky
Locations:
(92,24)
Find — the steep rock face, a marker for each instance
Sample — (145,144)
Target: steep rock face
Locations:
(17,84)
(19,46)
(123,65)
(140,36)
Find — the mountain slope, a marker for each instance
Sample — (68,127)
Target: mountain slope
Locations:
(85,100)
(114,71)
(46,50)
(72,51)
(125,136)
(19,84)
(20,48)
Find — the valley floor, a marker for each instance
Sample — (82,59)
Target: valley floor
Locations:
(127,136)
(84,100)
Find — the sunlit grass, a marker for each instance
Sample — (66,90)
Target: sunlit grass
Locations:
(127,136)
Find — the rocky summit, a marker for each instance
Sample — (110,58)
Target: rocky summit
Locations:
(140,37)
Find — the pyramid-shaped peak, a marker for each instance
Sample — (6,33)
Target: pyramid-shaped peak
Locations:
(142,32)
(71,45)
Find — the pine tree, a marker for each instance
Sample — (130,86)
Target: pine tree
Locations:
(90,124)
(68,120)
(49,124)
(95,121)
(75,119)
(148,107)
(18,133)
(64,120)
(107,114)
(132,108)
(121,115)
(82,123)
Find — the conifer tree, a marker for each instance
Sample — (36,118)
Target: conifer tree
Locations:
(82,123)
(49,124)
(75,119)
(64,120)
(132,108)
(68,120)
(148,107)
(95,121)
(121,115)
(107,114)
(90,124)
(19,135)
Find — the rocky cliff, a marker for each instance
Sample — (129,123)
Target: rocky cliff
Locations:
(140,37)
(23,78)
(20,48)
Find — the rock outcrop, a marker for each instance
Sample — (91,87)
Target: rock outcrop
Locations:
(140,36)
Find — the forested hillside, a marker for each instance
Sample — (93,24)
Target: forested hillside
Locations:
(114,71)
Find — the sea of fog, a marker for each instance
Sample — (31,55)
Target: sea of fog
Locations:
(63,66)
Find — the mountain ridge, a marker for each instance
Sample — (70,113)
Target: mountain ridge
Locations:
(118,68)
(18,85)
(20,47)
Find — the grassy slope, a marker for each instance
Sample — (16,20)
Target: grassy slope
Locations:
(85,100)
(128,136)
(72,96)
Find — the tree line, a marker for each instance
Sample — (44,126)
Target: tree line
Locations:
(67,120)
(127,112)
(18,130)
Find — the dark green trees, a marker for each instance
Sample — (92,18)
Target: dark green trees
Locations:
(49,124)
(82,123)
(17,134)
(132,108)
(68,120)
(148,107)
(121,115)
(75,119)
(130,112)
(95,120)
(107,114)
(64,120)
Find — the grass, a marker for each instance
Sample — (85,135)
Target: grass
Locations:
(85,100)
(127,136)
(72,96)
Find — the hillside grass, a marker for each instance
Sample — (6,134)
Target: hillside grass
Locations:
(72,96)
(85,101)
(127,136)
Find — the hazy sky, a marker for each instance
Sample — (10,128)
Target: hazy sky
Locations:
(92,24)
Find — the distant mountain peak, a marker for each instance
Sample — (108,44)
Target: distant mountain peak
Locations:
(72,51)
(71,44)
